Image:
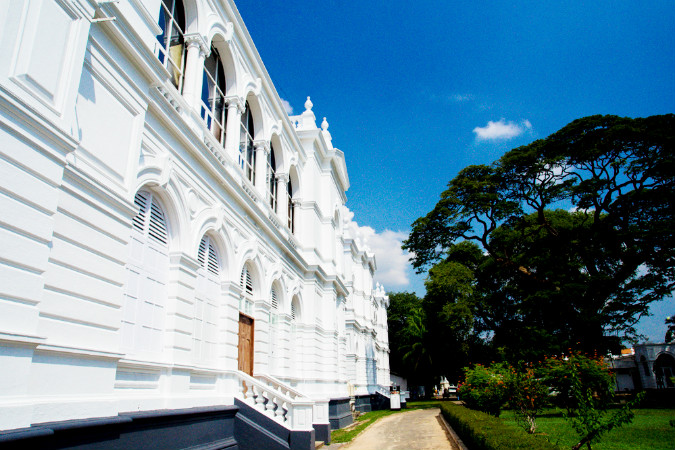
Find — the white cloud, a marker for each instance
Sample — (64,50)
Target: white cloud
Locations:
(287,106)
(392,261)
(501,130)
(460,98)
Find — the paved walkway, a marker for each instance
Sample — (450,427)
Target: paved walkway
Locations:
(415,430)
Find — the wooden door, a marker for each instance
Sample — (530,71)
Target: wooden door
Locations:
(246,344)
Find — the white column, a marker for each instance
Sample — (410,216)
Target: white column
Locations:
(282,197)
(194,65)
(262,149)
(235,108)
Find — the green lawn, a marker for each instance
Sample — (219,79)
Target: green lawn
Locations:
(367,419)
(650,430)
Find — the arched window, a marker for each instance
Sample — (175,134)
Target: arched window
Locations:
(246,150)
(145,294)
(295,310)
(171,42)
(213,108)
(246,284)
(272,179)
(291,209)
(274,298)
(207,256)
(275,347)
(206,302)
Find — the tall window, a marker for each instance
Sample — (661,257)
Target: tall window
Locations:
(291,209)
(213,108)
(206,302)
(246,150)
(145,295)
(272,179)
(246,284)
(171,41)
(295,310)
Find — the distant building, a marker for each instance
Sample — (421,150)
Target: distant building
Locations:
(176,257)
(647,366)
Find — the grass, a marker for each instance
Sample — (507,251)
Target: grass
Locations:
(650,430)
(367,419)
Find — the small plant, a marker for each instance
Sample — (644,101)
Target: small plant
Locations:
(485,388)
(529,397)
(589,416)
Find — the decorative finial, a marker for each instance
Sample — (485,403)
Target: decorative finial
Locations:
(324,125)
(308,105)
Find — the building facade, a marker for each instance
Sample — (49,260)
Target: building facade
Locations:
(646,366)
(171,238)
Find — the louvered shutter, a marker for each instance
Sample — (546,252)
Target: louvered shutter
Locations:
(275,299)
(246,282)
(207,256)
(143,312)
(206,303)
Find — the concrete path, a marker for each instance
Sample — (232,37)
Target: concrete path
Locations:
(415,430)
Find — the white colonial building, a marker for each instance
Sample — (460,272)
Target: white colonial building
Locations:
(172,243)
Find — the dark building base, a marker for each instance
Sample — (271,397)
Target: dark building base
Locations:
(197,428)
(339,413)
(322,432)
(362,403)
(238,427)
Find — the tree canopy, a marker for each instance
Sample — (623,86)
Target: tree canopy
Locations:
(559,242)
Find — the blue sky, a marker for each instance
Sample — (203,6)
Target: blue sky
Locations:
(416,91)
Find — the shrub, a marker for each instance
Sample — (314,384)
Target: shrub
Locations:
(481,431)
(485,388)
(593,374)
(529,395)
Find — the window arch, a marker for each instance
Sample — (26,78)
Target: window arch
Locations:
(145,295)
(246,150)
(208,256)
(207,294)
(295,310)
(274,299)
(246,284)
(291,208)
(275,349)
(272,178)
(213,109)
(171,41)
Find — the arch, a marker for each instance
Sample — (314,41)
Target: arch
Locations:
(219,39)
(664,370)
(206,301)
(169,199)
(146,290)
(212,225)
(247,154)
(250,285)
(172,51)
(295,309)
(272,167)
(208,256)
(276,300)
(212,108)
(255,108)
(292,190)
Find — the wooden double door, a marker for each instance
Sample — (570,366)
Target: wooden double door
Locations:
(245,344)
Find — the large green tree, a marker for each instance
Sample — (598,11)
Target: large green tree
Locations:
(410,353)
(574,234)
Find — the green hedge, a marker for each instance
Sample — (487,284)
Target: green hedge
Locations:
(480,431)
